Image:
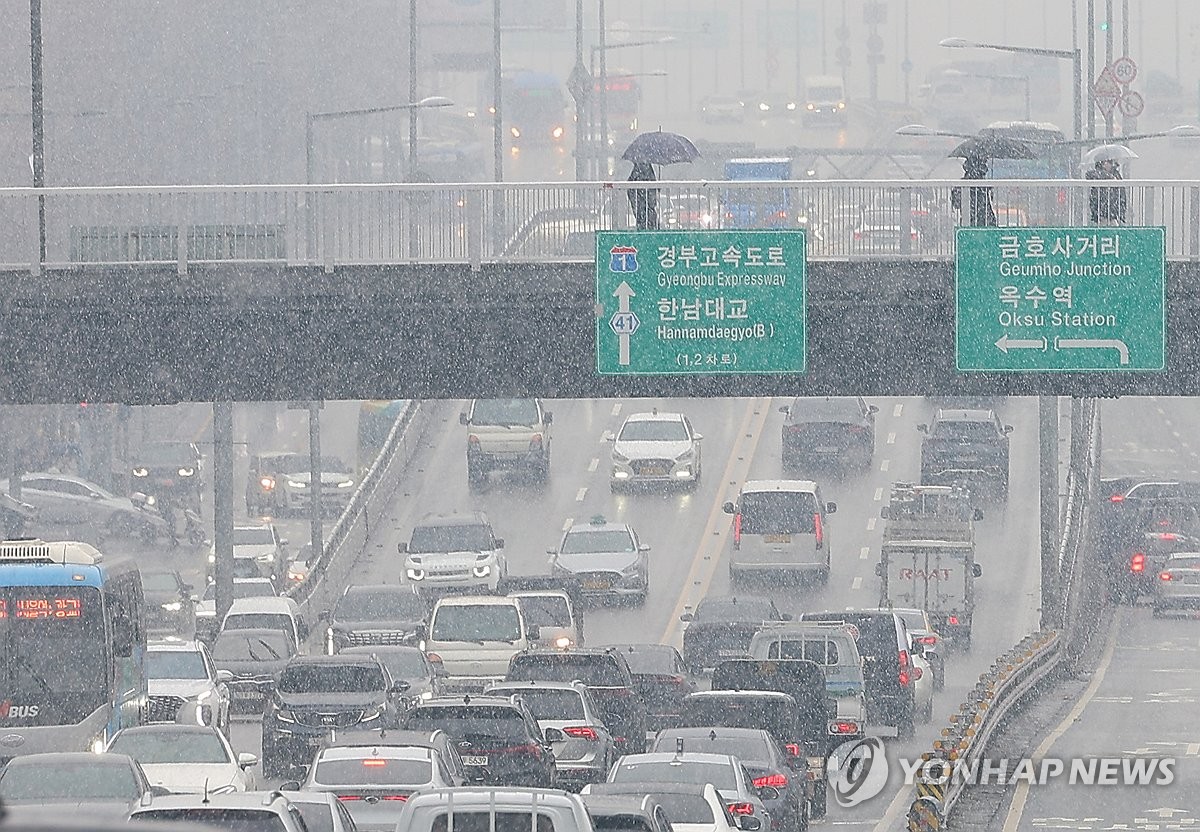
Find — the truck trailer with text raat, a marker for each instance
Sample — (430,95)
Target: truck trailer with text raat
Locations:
(927,560)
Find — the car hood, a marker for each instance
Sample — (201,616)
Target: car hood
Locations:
(184,688)
(190,778)
(246,667)
(331,701)
(597,561)
(651,450)
(450,558)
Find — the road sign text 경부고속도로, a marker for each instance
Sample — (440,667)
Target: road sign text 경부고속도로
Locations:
(700,302)
(1060,299)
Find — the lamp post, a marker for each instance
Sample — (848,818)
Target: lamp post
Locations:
(1075,56)
(601,50)
(1023,78)
(38,114)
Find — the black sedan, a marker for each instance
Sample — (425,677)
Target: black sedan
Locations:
(660,678)
(722,626)
(169,604)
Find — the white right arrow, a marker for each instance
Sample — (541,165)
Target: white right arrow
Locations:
(623,293)
(1005,344)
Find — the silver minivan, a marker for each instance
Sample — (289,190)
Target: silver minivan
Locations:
(780,526)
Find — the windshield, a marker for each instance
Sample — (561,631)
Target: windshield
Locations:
(505,413)
(373,771)
(229,820)
(463,720)
(253,536)
(331,678)
(647,660)
(778,512)
(258,621)
(175,664)
(482,622)
(582,542)
(545,610)
(826,410)
(913,619)
(150,747)
(721,775)
(653,430)
(255,647)
(67,782)
(817,650)
(374,605)
(254,589)
(546,703)
(596,670)
(159,582)
(775,714)
(464,538)
(965,431)
(165,454)
(53,654)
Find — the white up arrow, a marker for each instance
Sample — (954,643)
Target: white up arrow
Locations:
(623,293)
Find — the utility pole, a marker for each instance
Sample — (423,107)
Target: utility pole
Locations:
(412,87)
(223,505)
(316,505)
(39,117)
(1091,68)
(1048,500)
(602,156)
(1108,58)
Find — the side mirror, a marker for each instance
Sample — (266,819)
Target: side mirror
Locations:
(159,791)
(831,508)
(746,823)
(879,570)
(499,542)
(697,436)
(977,514)
(555,735)
(872,409)
(687,616)
(643,547)
(194,598)
(402,548)
(768,793)
(976,570)
(1007,430)
(224,676)
(533,632)
(283,541)
(246,759)
(400,686)
(728,507)
(289,786)
(785,410)
(548,418)
(785,616)
(463,420)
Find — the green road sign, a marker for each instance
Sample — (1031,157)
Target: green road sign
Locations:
(1060,299)
(700,302)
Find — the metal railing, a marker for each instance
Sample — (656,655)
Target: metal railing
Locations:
(963,742)
(473,223)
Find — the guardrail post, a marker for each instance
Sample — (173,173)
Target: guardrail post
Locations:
(474,217)
(327,230)
(35,251)
(906,221)
(291,224)
(181,236)
(1194,224)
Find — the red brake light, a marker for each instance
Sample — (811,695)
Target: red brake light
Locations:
(349,797)
(434,658)
(775,781)
(401,797)
(818,532)
(741,808)
(858,235)
(1167,536)
(737,530)
(1117,498)
(927,639)
(1138,562)
(1166,576)
(373,762)
(903,678)
(843,726)
(473,440)
(793,749)
(904,661)
(952,619)
(583,732)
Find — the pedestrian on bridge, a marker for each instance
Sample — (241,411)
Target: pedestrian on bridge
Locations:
(643,201)
(1107,206)
(978,211)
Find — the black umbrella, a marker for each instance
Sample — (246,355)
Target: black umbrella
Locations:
(991,147)
(659,148)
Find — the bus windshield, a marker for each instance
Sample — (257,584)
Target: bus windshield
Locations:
(53,654)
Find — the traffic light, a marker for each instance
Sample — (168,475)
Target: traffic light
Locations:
(1103,25)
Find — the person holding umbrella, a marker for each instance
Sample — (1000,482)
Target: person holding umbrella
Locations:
(979,210)
(645,151)
(1107,206)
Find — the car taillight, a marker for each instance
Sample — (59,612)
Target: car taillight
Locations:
(1166,576)
(267,483)
(1167,536)
(737,530)
(349,797)
(913,236)
(741,808)
(818,532)
(535,441)
(904,663)
(1117,498)
(374,762)
(952,619)
(793,749)
(843,726)
(775,781)
(927,639)
(583,732)
(473,441)
(400,797)
(434,658)
(1137,563)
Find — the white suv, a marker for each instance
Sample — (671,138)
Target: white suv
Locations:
(507,433)
(454,551)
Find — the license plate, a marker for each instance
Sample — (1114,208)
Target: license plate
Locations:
(475,760)
(730,652)
(654,471)
(597,583)
(777,538)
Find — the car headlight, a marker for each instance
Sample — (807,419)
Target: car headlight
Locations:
(791,105)
(764,106)
(98,745)
(187,472)
(297,484)
(427,695)
(686,455)
(266,483)
(346,484)
(173,606)
(285,716)
(295,574)
(212,557)
(562,642)
(415,574)
(203,695)
(630,570)
(140,472)
(371,714)
(481,571)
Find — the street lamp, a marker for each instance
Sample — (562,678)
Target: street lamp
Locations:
(955,73)
(1072,55)
(602,49)
(310,120)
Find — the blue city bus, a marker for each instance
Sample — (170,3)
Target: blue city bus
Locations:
(1052,159)
(758,207)
(72,647)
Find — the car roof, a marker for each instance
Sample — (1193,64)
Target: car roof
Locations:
(1182,555)
(498,795)
(588,525)
(390,589)
(575,687)
(650,786)
(716,731)
(466,701)
(470,518)
(169,728)
(395,752)
(539,593)
(337,659)
(361,737)
(226,800)
(252,631)
(957,415)
(701,757)
(478,600)
(264,603)
(557,655)
(620,804)
(800,486)
(655,416)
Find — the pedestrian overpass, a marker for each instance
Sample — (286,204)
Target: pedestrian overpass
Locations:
(151,294)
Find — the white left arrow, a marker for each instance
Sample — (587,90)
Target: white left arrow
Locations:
(623,293)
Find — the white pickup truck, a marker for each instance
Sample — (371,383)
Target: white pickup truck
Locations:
(507,433)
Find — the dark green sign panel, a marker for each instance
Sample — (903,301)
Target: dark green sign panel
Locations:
(1061,299)
(700,302)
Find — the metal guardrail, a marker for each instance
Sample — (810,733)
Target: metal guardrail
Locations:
(473,223)
(1001,688)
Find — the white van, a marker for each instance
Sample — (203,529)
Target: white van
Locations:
(282,613)
(779,526)
(824,100)
(474,637)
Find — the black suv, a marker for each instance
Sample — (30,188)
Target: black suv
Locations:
(607,676)
(966,447)
(832,430)
(168,470)
(383,614)
(887,665)
(315,694)
(722,626)
(498,739)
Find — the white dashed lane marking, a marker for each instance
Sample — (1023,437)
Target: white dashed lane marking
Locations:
(856,583)
(616,411)
(864,553)
(878,495)
(897,410)
(593,465)
(567,523)
(581,494)
(891,440)
(883,466)
(870,524)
